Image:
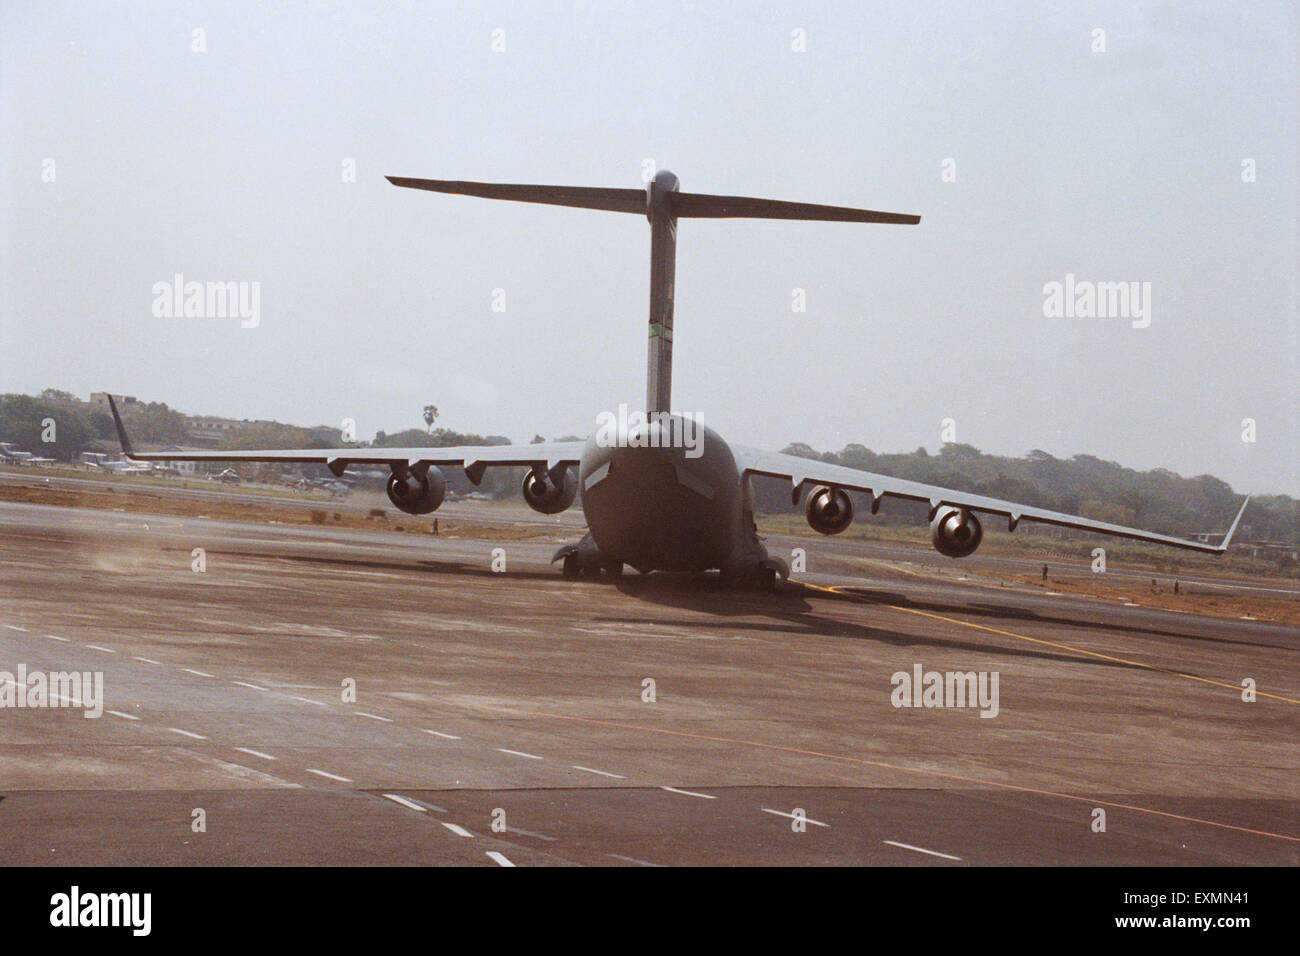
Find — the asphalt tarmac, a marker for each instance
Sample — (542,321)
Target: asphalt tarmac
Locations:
(320,696)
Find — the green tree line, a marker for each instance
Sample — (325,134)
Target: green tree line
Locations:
(1157,500)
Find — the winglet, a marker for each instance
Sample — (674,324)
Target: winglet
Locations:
(121,431)
(1227,538)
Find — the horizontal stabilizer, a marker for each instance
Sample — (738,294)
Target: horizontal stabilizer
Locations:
(584,197)
(680,205)
(704,206)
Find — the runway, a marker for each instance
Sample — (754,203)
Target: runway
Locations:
(501,717)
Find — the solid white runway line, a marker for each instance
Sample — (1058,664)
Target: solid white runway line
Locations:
(498,858)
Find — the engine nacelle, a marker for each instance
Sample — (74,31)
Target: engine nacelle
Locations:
(545,496)
(417,494)
(829,510)
(955,533)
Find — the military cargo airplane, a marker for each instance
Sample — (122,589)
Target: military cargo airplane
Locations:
(651,499)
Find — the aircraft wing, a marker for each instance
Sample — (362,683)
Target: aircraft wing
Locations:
(552,457)
(801,471)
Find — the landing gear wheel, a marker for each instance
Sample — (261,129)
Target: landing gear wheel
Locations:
(570,568)
(614,569)
(767,580)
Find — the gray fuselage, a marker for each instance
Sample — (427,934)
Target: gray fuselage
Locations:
(660,509)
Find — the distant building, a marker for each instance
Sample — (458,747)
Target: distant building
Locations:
(184,467)
(70,402)
(1278,550)
(209,430)
(99,400)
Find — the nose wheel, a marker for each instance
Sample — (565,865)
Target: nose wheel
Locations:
(584,560)
(571,568)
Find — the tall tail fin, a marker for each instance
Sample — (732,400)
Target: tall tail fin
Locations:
(663,204)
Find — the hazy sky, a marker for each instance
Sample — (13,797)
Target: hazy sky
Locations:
(227,165)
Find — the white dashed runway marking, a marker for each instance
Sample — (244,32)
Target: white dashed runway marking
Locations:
(689,793)
(255,753)
(793,816)
(329,776)
(603,773)
(187,733)
(404,802)
(917,849)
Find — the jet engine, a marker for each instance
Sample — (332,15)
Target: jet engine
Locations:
(415,493)
(829,510)
(955,533)
(545,496)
